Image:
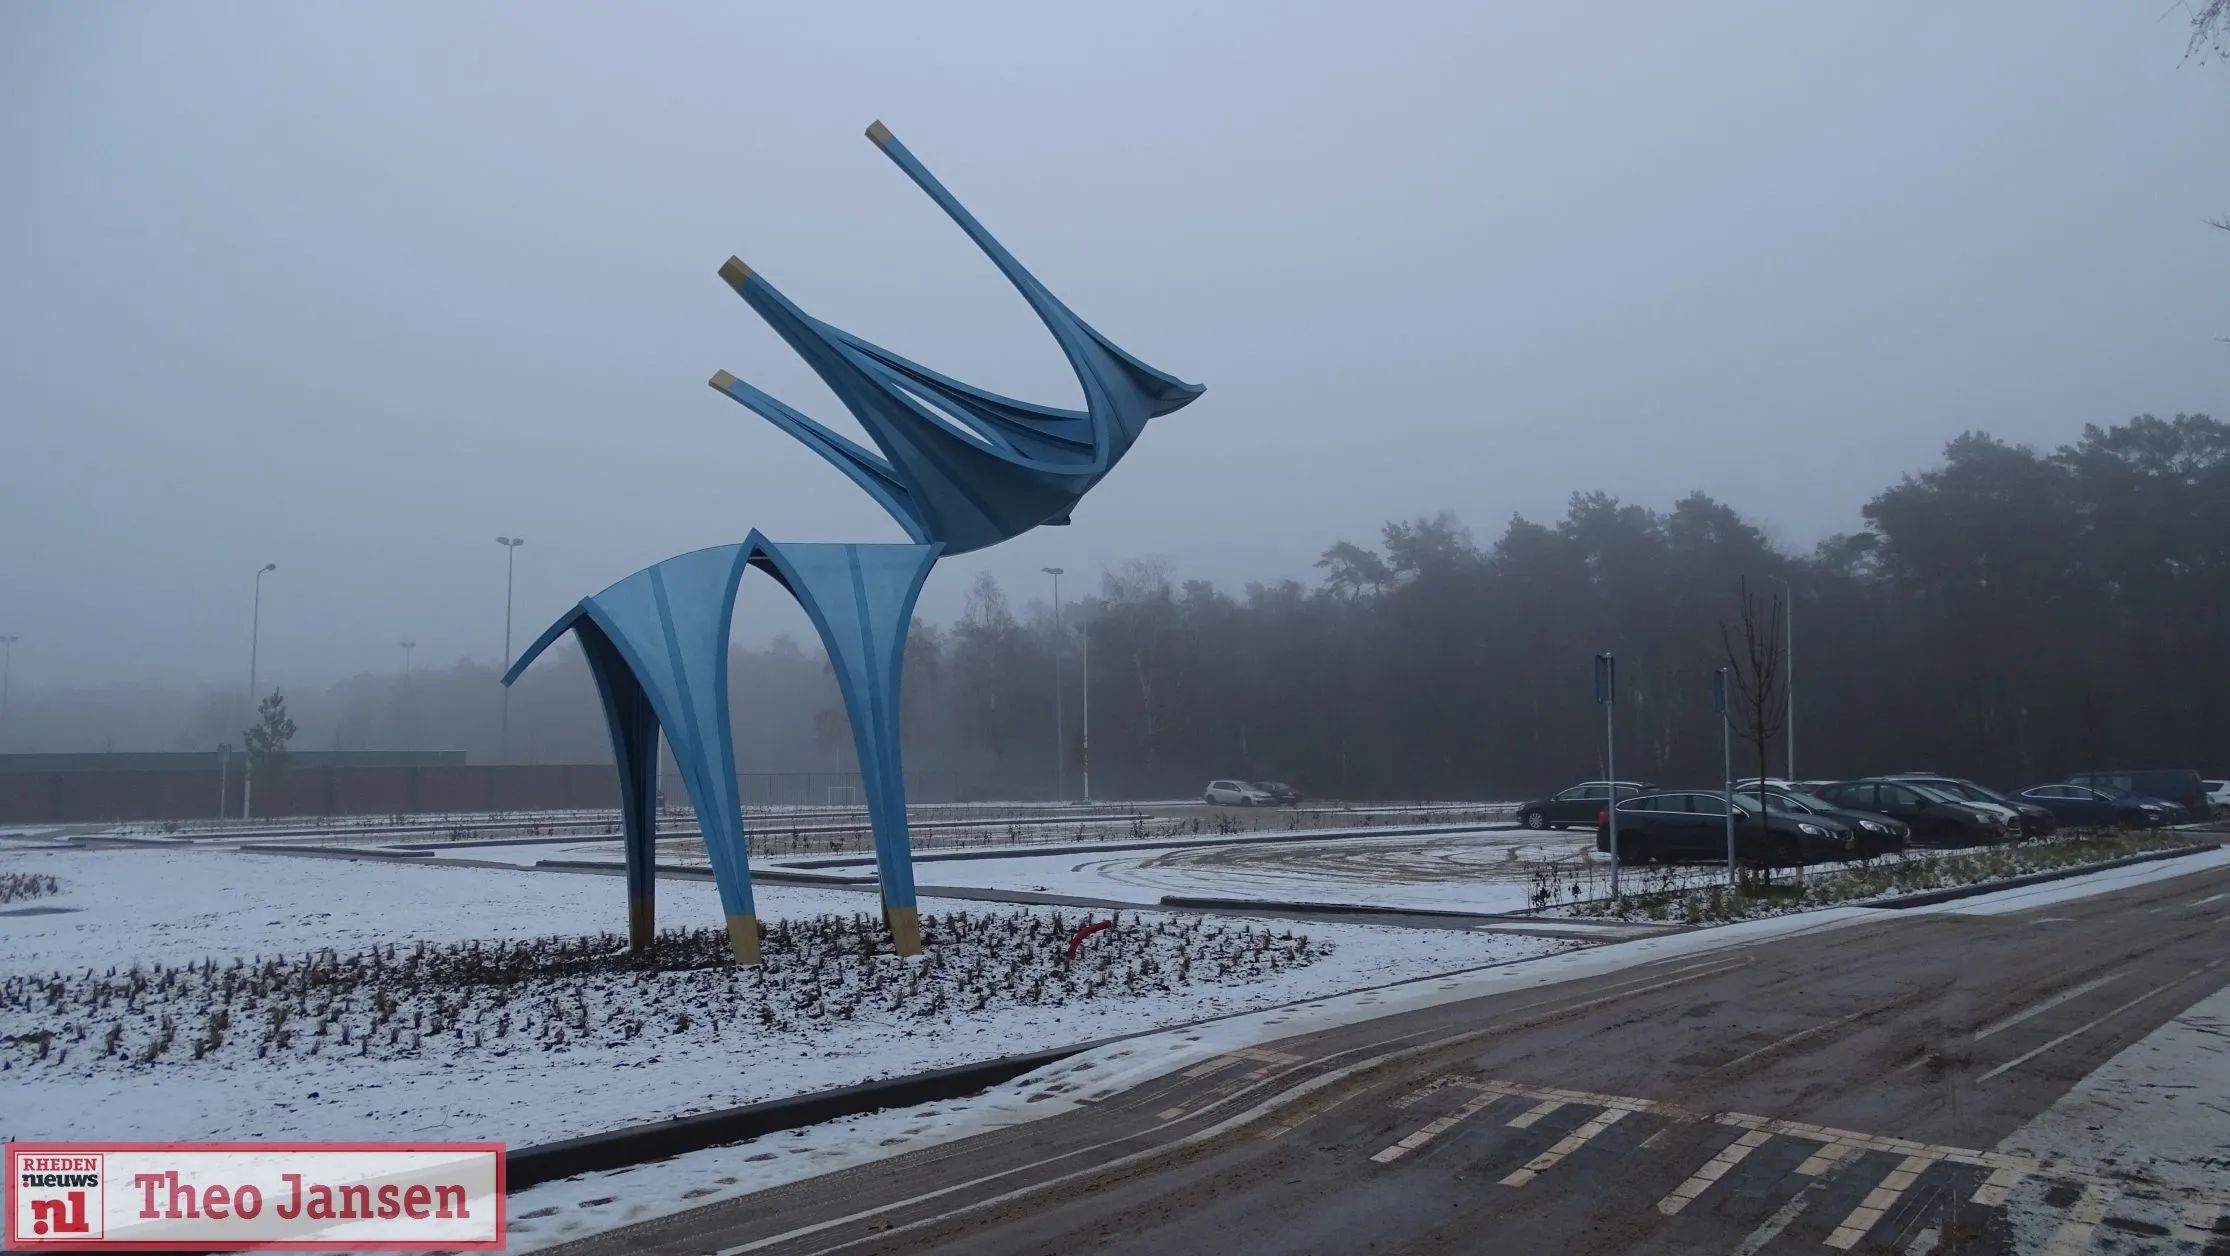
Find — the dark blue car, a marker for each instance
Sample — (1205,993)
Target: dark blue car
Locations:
(2089,806)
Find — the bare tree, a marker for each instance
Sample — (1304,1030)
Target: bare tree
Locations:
(1755,706)
(2210,29)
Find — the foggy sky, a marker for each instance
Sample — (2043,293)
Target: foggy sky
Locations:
(356,291)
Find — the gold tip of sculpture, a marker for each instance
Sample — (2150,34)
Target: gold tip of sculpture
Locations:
(721,380)
(735,272)
(879,133)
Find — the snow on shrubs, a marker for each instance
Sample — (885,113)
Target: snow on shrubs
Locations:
(15,885)
(564,994)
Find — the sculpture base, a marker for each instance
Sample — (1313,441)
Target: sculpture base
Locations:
(905,929)
(642,923)
(743,939)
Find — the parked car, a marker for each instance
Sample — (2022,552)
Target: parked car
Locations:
(1877,834)
(1580,804)
(1936,819)
(2180,786)
(1280,792)
(1236,794)
(2218,796)
(1692,825)
(2035,820)
(2082,805)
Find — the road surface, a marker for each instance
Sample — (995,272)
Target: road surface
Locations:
(1843,1089)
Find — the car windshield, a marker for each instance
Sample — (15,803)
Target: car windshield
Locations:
(1932,792)
(1775,800)
(1965,791)
(1275,787)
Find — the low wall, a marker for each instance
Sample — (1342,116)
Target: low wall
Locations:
(96,797)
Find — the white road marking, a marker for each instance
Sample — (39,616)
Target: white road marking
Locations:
(2083,1028)
(1656,1140)
(1525,1120)
(1169,1114)
(2211,898)
(2073,1238)
(1435,1128)
(1878,1201)
(1714,1169)
(1565,1146)
(1782,1219)
(1828,1159)
(1799,1036)
(1924,1242)
(2047,1005)
(1995,1190)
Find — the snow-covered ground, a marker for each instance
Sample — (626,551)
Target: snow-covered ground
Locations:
(2154,1121)
(1469,870)
(150,905)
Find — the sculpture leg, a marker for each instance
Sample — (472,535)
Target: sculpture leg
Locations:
(861,599)
(633,724)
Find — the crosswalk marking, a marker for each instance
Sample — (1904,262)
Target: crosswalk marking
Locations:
(2073,1238)
(1828,1158)
(1525,1119)
(1999,1186)
(1436,1128)
(1729,1156)
(1565,1146)
(1880,1200)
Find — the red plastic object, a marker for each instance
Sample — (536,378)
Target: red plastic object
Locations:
(1076,940)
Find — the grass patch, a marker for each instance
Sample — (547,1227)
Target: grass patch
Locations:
(1698,894)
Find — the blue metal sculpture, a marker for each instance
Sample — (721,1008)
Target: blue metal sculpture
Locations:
(959,469)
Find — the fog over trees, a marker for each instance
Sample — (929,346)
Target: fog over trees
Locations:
(2012,614)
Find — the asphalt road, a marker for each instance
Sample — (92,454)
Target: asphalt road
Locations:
(1838,1090)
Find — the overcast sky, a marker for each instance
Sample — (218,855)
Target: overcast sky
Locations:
(354,289)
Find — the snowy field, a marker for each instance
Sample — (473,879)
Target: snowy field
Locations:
(116,908)
(1470,870)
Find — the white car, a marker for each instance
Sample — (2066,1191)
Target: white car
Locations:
(2218,796)
(1237,794)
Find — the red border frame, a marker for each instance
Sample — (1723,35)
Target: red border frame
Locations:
(496,1244)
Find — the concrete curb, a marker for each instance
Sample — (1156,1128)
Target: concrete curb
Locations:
(641,1144)
(1931,897)
(1167,843)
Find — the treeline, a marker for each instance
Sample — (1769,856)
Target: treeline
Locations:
(2012,614)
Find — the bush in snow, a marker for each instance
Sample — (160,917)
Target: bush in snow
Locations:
(494,998)
(15,885)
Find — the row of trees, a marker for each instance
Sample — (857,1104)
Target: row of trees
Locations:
(2012,614)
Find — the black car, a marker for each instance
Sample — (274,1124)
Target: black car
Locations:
(2180,786)
(1877,834)
(1691,825)
(2101,808)
(1581,804)
(2036,821)
(1284,794)
(1936,819)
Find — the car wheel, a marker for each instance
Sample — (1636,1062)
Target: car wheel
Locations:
(1246,802)
(1633,850)
(1209,799)
(1535,820)
(1786,854)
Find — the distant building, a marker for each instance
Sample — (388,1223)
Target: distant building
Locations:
(207,760)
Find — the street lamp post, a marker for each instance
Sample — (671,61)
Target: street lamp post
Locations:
(408,646)
(1084,630)
(7,667)
(255,641)
(510,546)
(1788,669)
(1060,722)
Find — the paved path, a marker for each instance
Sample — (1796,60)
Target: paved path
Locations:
(1843,1090)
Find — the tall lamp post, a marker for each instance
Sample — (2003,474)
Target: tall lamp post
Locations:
(1084,630)
(1060,721)
(408,646)
(510,546)
(7,666)
(255,641)
(1788,669)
